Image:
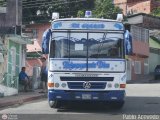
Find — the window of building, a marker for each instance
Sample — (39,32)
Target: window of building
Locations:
(146,66)
(137,67)
(140,34)
(34,33)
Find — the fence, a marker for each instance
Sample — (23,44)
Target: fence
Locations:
(9,80)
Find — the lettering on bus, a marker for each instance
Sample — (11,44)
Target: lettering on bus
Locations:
(57,25)
(99,64)
(118,26)
(88,25)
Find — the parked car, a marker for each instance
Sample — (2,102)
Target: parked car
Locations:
(157,72)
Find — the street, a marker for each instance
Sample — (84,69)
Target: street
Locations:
(143,100)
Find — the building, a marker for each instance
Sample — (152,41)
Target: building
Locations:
(143,27)
(12,47)
(130,7)
(34,51)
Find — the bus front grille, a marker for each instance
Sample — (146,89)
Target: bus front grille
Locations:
(80,85)
(86,78)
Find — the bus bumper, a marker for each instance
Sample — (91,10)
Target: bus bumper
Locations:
(61,95)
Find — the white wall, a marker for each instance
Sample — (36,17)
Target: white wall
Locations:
(8,91)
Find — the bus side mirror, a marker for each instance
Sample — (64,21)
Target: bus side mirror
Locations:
(45,41)
(52,48)
(128,43)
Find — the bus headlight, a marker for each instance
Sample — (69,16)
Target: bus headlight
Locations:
(109,85)
(56,85)
(63,85)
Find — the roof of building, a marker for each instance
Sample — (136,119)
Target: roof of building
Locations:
(143,14)
(144,20)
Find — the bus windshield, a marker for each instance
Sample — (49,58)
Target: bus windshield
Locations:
(86,45)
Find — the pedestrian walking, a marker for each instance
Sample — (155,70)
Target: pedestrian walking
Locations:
(44,75)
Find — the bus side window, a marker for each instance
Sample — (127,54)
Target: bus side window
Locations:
(113,52)
(52,49)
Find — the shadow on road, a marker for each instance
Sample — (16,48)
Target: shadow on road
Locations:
(133,105)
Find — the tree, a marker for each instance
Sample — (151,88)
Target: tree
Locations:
(156,12)
(106,9)
(66,8)
(80,14)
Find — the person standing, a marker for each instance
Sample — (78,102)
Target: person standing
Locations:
(44,75)
(24,79)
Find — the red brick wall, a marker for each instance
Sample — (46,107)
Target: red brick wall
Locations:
(140,7)
(122,4)
(137,6)
(30,63)
(140,48)
(40,30)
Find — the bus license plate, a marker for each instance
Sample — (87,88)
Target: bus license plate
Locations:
(86,96)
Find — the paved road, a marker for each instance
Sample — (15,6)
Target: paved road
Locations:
(142,99)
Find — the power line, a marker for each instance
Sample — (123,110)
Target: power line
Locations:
(46,4)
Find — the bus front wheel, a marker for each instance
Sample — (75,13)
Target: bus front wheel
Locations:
(54,104)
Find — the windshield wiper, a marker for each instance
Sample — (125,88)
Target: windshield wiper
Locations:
(106,43)
(101,45)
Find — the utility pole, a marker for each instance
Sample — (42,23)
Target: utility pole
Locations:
(16,17)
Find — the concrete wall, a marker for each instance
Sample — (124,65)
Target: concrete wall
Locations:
(154,59)
(8,91)
(134,58)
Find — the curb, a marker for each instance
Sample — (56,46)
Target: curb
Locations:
(150,81)
(20,101)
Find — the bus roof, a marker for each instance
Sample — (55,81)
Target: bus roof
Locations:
(86,24)
(86,19)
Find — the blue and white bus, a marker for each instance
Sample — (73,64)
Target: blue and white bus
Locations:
(86,61)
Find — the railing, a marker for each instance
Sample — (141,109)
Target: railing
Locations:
(2,76)
(9,80)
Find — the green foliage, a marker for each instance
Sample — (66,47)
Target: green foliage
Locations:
(106,9)
(66,9)
(3,3)
(156,12)
(80,14)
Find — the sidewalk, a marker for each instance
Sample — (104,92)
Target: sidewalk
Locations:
(21,98)
(144,79)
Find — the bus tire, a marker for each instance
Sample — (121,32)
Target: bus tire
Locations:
(54,104)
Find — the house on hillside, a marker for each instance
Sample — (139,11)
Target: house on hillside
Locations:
(131,7)
(143,28)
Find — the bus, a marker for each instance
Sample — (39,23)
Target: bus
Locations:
(86,61)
